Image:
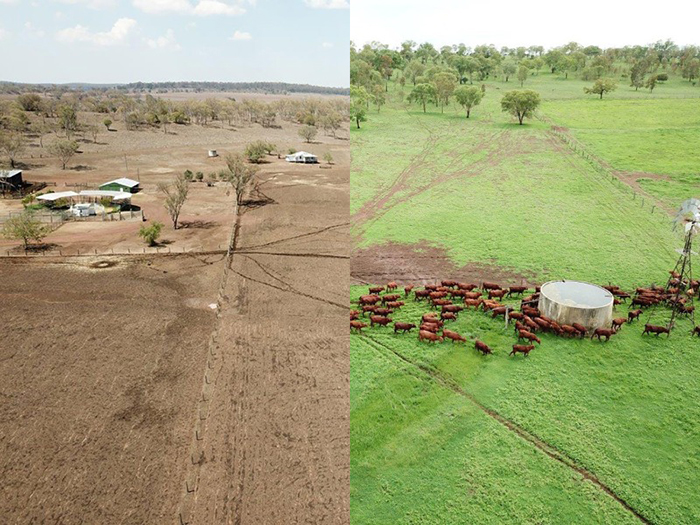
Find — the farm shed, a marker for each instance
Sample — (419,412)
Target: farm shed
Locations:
(116,196)
(302,157)
(11,179)
(123,184)
(52,197)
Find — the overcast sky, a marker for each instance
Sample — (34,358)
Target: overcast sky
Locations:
(111,41)
(512,23)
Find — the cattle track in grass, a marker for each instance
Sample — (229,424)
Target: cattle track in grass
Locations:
(526,435)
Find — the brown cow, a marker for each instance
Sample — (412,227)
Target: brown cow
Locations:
(404,327)
(430,327)
(532,325)
(458,293)
(369,308)
(454,308)
(391,297)
(482,347)
(520,326)
(431,287)
(383,311)
(695,331)
(357,325)
(517,290)
(438,295)
(407,289)
(570,330)
(392,286)
(440,302)
(448,316)
(531,312)
(634,314)
(522,349)
(369,299)
(617,323)
(424,335)
(449,284)
(581,329)
(354,314)
(466,286)
(395,304)
(376,289)
(379,319)
(603,332)
(497,294)
(453,336)
(656,330)
(501,310)
(473,302)
(516,315)
(472,295)
(490,286)
(421,294)
(524,334)
(429,317)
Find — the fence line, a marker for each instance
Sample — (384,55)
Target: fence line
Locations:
(144,250)
(62,217)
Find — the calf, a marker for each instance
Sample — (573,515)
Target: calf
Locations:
(424,335)
(404,327)
(529,336)
(501,310)
(617,323)
(454,308)
(449,284)
(695,331)
(429,318)
(441,302)
(656,330)
(472,295)
(357,325)
(453,336)
(379,319)
(522,349)
(482,347)
(383,311)
(437,295)
(369,308)
(570,330)
(634,314)
(603,332)
(530,311)
(516,315)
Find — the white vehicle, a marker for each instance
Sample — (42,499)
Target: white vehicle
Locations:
(83,210)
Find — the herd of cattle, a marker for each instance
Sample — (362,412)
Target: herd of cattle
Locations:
(452,297)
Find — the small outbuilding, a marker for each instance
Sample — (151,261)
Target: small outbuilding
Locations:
(10,180)
(302,157)
(122,185)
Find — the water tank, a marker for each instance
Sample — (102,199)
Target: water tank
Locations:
(569,302)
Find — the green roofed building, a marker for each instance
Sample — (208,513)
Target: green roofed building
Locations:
(123,184)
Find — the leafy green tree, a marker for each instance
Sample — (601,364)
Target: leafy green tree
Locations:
(468,97)
(523,73)
(509,67)
(67,119)
(520,104)
(422,94)
(378,96)
(691,69)
(64,150)
(255,151)
(445,84)
(25,227)
(651,82)
(637,72)
(108,123)
(358,104)
(151,233)
(328,157)
(12,145)
(30,102)
(601,86)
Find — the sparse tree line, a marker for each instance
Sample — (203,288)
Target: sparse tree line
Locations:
(63,116)
(436,76)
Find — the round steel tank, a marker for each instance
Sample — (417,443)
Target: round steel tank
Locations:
(569,302)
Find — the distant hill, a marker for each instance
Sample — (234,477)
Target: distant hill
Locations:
(241,87)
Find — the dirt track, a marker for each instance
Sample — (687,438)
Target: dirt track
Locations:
(104,371)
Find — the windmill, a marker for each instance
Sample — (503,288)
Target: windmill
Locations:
(681,278)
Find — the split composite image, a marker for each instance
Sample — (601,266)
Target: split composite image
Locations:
(197,194)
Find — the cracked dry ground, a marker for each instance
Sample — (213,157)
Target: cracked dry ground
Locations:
(274,444)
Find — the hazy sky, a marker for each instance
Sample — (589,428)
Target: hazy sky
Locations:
(512,23)
(109,41)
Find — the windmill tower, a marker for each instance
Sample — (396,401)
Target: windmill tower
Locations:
(681,278)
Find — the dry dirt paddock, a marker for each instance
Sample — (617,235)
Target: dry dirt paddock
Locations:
(100,373)
(126,399)
(152,157)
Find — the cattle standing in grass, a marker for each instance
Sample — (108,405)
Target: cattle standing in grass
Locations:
(448,316)
(581,329)
(421,294)
(603,332)
(369,299)
(529,336)
(354,314)
(497,294)
(532,325)
(404,327)
(357,325)
(453,336)
(429,317)
(522,349)
(570,330)
(634,314)
(392,286)
(391,297)
(449,284)
(424,335)
(472,295)
(454,308)
(376,289)
(379,319)
(656,330)
(407,289)
(617,323)
(430,327)
(516,315)
(473,302)
(529,311)
(395,304)
(517,290)
(466,286)
(501,310)
(369,308)
(482,347)
(490,286)
(383,311)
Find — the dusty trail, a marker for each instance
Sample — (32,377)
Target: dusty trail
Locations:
(522,433)
(271,443)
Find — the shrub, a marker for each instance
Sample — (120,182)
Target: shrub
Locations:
(151,233)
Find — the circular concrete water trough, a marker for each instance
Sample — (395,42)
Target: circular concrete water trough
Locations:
(569,302)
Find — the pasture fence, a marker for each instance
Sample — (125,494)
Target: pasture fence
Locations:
(59,218)
(55,251)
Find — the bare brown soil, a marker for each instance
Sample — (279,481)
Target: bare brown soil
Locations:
(423,264)
(193,388)
(99,379)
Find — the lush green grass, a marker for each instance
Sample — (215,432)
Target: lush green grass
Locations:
(489,191)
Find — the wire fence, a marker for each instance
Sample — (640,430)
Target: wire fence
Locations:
(55,251)
(59,218)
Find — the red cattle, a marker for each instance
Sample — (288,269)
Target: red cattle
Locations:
(466,286)
(369,308)
(498,294)
(617,323)
(407,289)
(482,347)
(392,286)
(449,284)
(453,336)
(383,311)
(522,349)
(376,289)
(500,310)
(354,314)
(395,304)
(448,316)
(472,295)
(529,336)
(581,329)
(490,286)
(516,315)
(424,335)
(379,319)
(430,327)
(656,330)
(454,308)
(517,290)
(473,302)
(404,327)
(421,294)
(357,325)
(391,297)
(634,314)
(603,332)
(570,330)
